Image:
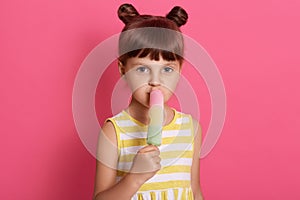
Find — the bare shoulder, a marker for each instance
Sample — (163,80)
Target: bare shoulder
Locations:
(109,131)
(107,151)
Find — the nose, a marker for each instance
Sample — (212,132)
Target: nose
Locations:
(154,80)
(154,84)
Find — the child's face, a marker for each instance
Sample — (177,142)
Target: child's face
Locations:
(144,75)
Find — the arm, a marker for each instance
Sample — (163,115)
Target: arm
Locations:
(195,171)
(107,158)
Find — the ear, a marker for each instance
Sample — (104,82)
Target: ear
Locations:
(121,69)
(127,12)
(178,15)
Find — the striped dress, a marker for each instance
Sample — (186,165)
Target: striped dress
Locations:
(173,180)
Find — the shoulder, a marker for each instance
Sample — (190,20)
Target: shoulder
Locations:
(194,123)
(181,115)
(188,118)
(111,126)
(108,129)
(107,136)
(111,123)
(107,147)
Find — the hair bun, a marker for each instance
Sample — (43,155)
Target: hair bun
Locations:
(178,15)
(127,12)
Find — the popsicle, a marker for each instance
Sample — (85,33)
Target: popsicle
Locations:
(156,114)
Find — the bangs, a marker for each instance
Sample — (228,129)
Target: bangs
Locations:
(154,54)
(151,41)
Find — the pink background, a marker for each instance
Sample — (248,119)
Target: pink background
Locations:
(255,45)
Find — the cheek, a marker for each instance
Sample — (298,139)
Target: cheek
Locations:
(170,83)
(136,82)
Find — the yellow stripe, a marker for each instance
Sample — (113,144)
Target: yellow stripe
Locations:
(176,154)
(165,185)
(164,195)
(183,196)
(175,191)
(192,131)
(126,158)
(153,196)
(178,140)
(140,196)
(143,141)
(178,127)
(165,170)
(133,129)
(163,155)
(120,117)
(134,142)
(174,169)
(191,195)
(121,173)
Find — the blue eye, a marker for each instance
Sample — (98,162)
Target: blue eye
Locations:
(142,69)
(168,69)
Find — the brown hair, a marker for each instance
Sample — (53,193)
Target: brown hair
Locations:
(142,32)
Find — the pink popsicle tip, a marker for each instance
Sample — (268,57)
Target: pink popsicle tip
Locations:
(156,98)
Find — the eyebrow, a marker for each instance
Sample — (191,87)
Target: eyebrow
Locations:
(164,64)
(138,63)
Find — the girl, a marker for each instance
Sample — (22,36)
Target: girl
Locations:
(128,168)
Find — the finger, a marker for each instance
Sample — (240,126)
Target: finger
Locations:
(156,160)
(148,148)
(154,153)
(157,167)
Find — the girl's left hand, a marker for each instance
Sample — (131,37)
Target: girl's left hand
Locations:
(198,195)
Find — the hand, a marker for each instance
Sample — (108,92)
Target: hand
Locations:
(146,163)
(198,195)
(198,198)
